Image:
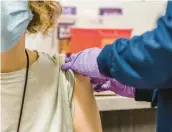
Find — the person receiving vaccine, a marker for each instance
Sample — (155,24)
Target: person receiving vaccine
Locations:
(36,95)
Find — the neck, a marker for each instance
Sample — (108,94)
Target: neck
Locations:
(15,59)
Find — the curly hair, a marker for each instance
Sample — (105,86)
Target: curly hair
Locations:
(45,16)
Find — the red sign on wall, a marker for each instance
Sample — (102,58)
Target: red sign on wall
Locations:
(87,38)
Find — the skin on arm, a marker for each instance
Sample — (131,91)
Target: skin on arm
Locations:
(86,114)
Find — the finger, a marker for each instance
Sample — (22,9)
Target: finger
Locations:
(71,58)
(98,88)
(66,66)
(67,59)
(106,85)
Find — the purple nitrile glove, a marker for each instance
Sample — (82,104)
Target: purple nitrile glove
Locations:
(85,63)
(109,84)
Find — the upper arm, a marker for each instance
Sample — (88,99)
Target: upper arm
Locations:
(143,61)
(86,116)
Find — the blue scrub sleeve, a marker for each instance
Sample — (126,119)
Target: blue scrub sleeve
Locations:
(143,61)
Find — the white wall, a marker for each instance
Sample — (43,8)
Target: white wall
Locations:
(140,16)
(46,44)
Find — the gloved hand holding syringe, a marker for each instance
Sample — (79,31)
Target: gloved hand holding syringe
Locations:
(85,63)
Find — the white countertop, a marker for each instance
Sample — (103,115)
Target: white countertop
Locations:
(111,103)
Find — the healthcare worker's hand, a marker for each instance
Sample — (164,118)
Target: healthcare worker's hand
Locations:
(109,84)
(85,63)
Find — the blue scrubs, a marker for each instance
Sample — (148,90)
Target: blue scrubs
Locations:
(145,62)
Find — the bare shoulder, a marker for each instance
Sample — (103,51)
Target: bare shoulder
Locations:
(86,114)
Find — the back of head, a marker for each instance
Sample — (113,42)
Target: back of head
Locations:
(45,16)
